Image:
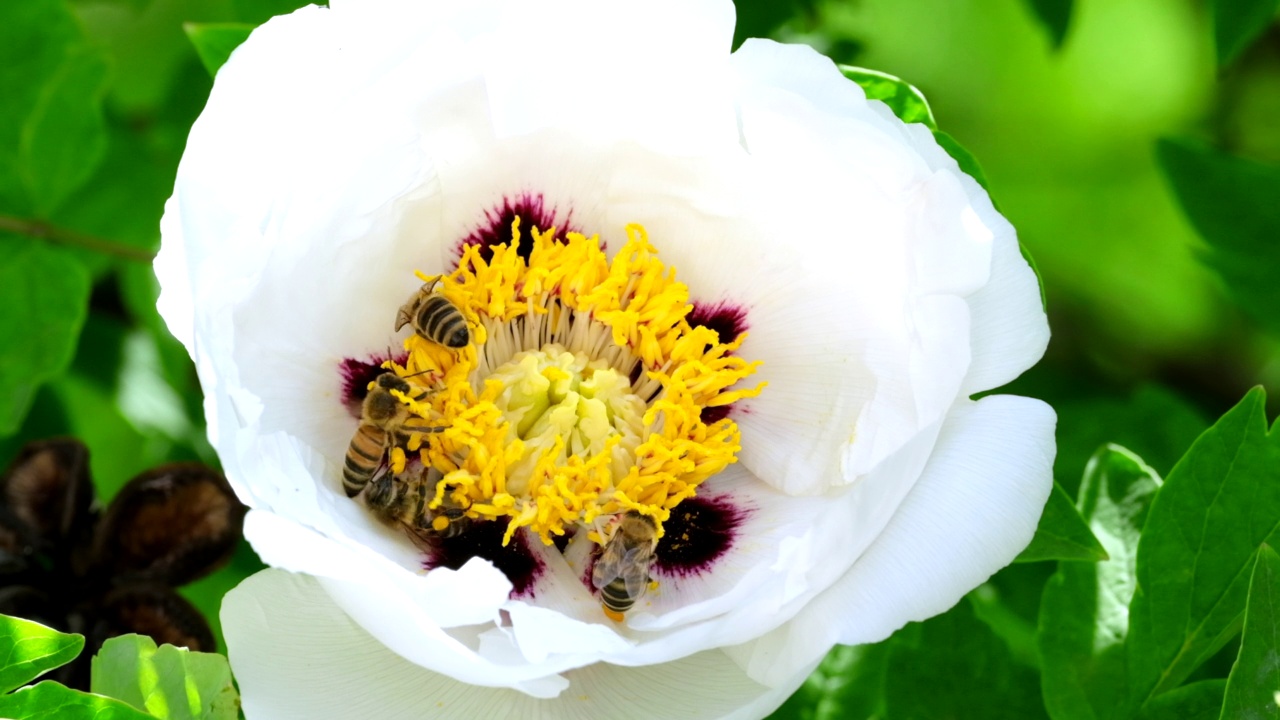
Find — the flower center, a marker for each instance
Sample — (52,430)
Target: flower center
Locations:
(580,395)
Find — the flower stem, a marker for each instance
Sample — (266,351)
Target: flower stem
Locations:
(62,236)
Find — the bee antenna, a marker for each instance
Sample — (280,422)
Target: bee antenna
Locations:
(420,372)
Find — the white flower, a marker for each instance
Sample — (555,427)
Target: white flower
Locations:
(344,148)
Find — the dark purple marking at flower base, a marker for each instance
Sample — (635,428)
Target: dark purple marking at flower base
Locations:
(714,414)
(357,374)
(728,320)
(562,541)
(699,531)
(495,229)
(484,539)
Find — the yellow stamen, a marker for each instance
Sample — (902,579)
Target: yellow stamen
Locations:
(581,394)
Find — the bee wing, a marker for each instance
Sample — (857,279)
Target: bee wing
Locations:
(635,570)
(608,566)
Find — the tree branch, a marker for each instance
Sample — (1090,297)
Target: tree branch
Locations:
(62,236)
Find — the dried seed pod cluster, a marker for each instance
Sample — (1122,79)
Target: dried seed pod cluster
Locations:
(106,572)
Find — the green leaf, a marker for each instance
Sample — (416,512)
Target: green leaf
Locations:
(170,683)
(120,451)
(846,686)
(50,701)
(214,42)
(29,649)
(1194,701)
(1084,611)
(902,97)
(965,159)
(51,127)
(1155,423)
(64,139)
(953,667)
(1253,690)
(1237,23)
(994,605)
(1062,534)
(1055,15)
(1220,503)
(1231,203)
(45,295)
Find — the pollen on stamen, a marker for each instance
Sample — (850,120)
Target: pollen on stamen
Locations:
(586,399)
(592,390)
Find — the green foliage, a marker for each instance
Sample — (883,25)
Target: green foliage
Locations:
(902,97)
(168,682)
(1194,701)
(846,686)
(1062,534)
(1237,23)
(50,701)
(1253,690)
(51,129)
(53,291)
(1084,612)
(215,41)
(1055,15)
(29,649)
(760,18)
(1220,503)
(953,667)
(1153,422)
(1231,203)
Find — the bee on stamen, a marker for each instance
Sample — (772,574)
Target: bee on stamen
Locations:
(434,317)
(405,499)
(385,422)
(621,573)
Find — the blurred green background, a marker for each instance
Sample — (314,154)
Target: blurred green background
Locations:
(1148,344)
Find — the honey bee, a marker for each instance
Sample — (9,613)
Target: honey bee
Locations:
(621,573)
(434,317)
(404,499)
(384,423)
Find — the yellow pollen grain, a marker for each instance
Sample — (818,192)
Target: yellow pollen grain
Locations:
(646,458)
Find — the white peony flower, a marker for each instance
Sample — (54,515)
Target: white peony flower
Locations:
(793,413)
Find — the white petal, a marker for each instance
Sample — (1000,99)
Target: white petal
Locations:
(973,510)
(664,85)
(801,547)
(296,655)
(1009,326)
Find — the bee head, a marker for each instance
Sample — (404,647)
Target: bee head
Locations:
(391,381)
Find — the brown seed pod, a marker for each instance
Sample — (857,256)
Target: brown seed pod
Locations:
(47,491)
(171,524)
(152,610)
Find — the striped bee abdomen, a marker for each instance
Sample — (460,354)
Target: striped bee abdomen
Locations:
(440,321)
(364,457)
(615,597)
